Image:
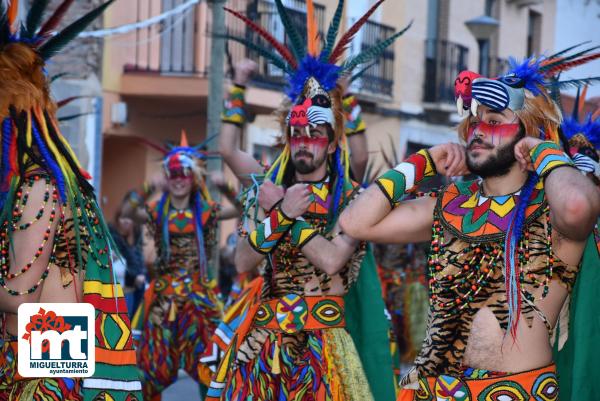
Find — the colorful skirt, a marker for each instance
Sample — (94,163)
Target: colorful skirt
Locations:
(292,348)
(174,323)
(539,385)
(13,387)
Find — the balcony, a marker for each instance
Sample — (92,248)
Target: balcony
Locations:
(377,80)
(444,60)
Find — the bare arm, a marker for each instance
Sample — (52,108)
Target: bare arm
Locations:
(246,259)
(371,216)
(228,212)
(573,199)
(359,155)
(241,163)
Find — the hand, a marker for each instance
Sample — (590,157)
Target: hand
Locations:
(140,281)
(269,194)
(296,201)
(522,150)
(158,182)
(218,179)
(243,70)
(450,159)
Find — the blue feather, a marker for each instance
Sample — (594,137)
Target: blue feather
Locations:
(49,160)
(529,72)
(326,74)
(4,162)
(200,234)
(163,223)
(589,128)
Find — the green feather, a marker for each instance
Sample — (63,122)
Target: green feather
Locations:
(568,49)
(333,30)
(55,44)
(578,83)
(34,17)
(275,59)
(373,52)
(361,72)
(296,43)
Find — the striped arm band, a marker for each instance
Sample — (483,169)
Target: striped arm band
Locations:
(406,177)
(548,156)
(233,110)
(270,231)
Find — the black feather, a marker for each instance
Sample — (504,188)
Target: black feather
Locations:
(296,43)
(566,59)
(34,18)
(333,30)
(275,59)
(578,83)
(55,44)
(568,49)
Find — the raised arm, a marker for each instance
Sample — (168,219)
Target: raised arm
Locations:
(234,118)
(380,215)
(573,198)
(356,136)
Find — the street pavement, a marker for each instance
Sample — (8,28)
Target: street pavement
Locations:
(184,389)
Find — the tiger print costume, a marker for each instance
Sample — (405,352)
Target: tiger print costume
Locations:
(470,276)
(180,309)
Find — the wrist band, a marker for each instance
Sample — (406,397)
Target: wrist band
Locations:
(233,110)
(272,229)
(354,123)
(406,177)
(302,233)
(548,156)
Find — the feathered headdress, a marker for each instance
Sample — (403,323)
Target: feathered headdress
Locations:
(30,134)
(313,72)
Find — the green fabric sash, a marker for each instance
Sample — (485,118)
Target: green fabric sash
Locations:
(369,328)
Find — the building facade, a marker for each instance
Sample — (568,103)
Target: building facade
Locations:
(158,74)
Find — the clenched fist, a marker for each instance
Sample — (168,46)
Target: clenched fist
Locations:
(296,201)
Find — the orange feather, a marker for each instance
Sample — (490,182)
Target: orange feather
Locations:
(184,141)
(582,100)
(13,11)
(311,29)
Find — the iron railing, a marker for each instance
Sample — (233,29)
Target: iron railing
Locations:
(265,14)
(444,60)
(378,79)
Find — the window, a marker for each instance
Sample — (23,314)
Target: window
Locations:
(534,33)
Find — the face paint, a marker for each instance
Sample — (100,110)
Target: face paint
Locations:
(313,145)
(496,133)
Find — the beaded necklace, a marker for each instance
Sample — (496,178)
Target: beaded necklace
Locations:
(478,261)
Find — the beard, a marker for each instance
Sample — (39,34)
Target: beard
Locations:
(496,165)
(308,164)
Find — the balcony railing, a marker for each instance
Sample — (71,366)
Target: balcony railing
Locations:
(379,78)
(443,62)
(265,14)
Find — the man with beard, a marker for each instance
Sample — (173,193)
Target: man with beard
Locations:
(298,342)
(505,249)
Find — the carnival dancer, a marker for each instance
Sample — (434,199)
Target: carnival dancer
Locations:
(577,348)
(59,252)
(505,248)
(180,309)
(294,343)
(247,286)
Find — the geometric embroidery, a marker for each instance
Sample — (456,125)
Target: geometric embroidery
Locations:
(545,387)
(424,392)
(469,214)
(263,315)
(328,312)
(451,388)
(504,391)
(114,331)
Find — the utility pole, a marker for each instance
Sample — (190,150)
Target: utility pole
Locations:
(215,105)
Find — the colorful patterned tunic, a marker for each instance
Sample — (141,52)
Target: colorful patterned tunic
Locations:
(295,361)
(466,270)
(180,309)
